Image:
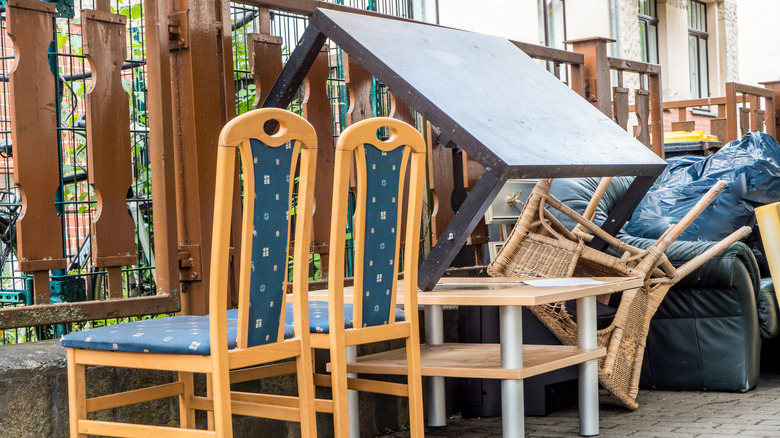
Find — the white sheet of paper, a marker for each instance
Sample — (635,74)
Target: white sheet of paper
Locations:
(561,282)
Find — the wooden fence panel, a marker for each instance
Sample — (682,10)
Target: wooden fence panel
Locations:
(317,110)
(108,145)
(35,146)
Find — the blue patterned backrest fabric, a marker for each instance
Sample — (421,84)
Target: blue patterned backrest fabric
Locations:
(269,240)
(383,173)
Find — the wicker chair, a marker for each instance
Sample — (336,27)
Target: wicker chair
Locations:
(539,246)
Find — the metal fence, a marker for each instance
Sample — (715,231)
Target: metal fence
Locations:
(75,200)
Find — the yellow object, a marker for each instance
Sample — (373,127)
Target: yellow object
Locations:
(769,223)
(688,137)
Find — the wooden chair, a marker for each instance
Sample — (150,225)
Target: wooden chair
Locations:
(222,341)
(382,213)
(540,246)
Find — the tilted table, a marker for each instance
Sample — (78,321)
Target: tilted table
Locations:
(511,361)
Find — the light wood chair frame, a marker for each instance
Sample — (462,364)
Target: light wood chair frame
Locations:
(220,401)
(350,144)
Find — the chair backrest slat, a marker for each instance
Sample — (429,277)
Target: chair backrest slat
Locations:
(377,239)
(381,166)
(269,163)
(272,168)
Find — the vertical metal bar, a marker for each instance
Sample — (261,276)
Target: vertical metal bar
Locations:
(353,400)
(588,381)
(204,100)
(434,335)
(161,147)
(512,406)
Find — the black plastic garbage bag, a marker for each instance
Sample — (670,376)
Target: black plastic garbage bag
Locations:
(751,167)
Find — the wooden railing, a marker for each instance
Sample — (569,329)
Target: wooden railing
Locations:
(743,109)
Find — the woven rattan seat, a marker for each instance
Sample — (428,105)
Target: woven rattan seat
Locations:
(539,246)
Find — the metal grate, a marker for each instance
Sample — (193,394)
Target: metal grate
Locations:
(75,201)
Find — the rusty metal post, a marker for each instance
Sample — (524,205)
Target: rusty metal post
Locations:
(160,103)
(597,81)
(108,144)
(203,101)
(35,144)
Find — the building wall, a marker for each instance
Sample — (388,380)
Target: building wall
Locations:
(597,23)
(759,57)
(516,20)
(519,20)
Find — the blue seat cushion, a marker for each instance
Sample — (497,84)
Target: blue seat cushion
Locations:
(318,316)
(175,335)
(189,334)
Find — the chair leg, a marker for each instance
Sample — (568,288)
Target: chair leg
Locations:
(338,375)
(223,417)
(414,376)
(210,394)
(77,394)
(306,395)
(186,413)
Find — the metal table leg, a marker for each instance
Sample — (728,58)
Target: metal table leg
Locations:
(512,408)
(434,335)
(352,397)
(588,371)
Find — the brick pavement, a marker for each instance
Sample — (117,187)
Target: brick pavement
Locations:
(667,414)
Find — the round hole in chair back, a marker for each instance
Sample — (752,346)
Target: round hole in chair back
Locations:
(271,126)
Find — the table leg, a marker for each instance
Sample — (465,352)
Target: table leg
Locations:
(434,335)
(588,371)
(352,397)
(512,408)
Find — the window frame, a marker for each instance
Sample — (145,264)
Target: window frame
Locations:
(699,38)
(649,20)
(544,13)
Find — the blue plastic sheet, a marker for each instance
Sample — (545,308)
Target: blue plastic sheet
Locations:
(751,167)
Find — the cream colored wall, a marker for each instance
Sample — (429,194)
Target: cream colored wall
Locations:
(753,59)
(516,20)
(759,43)
(587,18)
(673,49)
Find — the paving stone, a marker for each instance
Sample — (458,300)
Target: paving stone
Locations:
(661,414)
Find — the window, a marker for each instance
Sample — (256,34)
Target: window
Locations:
(648,31)
(697,49)
(553,31)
